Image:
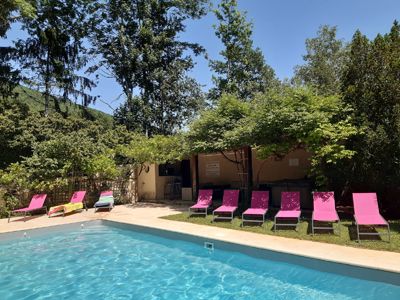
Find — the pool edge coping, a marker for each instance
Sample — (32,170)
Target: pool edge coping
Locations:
(260,247)
(205,232)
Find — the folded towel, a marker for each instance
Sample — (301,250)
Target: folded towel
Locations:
(66,208)
(105,201)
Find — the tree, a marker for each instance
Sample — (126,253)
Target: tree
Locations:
(159,149)
(289,118)
(139,45)
(324,62)
(371,86)
(215,131)
(54,52)
(243,70)
(9,10)
(9,76)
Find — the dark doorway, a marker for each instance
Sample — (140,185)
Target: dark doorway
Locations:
(186,174)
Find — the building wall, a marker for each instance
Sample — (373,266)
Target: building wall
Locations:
(295,165)
(214,169)
(217,170)
(151,186)
(147,184)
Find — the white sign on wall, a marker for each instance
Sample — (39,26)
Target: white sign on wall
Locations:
(213,169)
(293,162)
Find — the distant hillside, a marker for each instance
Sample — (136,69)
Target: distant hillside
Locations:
(35,101)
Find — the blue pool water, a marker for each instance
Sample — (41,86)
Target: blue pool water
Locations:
(104,262)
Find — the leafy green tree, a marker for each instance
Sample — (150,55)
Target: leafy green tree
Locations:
(212,131)
(139,46)
(53,52)
(324,62)
(12,116)
(215,131)
(13,10)
(371,86)
(295,118)
(243,70)
(9,75)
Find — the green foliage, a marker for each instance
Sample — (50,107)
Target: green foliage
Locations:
(139,45)
(9,76)
(158,149)
(42,153)
(214,130)
(36,103)
(277,122)
(53,52)
(290,119)
(324,62)
(371,86)
(243,70)
(8,10)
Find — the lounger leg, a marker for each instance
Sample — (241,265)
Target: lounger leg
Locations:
(9,216)
(213,218)
(84,203)
(312,226)
(25,216)
(358,233)
(206,211)
(241,224)
(231,217)
(274,224)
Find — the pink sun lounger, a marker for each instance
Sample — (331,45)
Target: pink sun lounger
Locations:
(229,206)
(290,209)
(366,213)
(258,208)
(36,203)
(324,210)
(76,203)
(204,201)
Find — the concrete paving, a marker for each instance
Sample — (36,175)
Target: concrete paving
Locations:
(149,215)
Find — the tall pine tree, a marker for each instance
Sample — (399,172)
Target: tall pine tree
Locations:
(371,85)
(53,53)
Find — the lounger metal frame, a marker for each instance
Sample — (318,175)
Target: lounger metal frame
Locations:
(372,233)
(197,211)
(217,217)
(253,220)
(325,227)
(25,212)
(287,225)
(110,206)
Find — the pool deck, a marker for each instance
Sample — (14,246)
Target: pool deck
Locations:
(149,215)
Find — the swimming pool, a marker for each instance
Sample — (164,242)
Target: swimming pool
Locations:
(102,260)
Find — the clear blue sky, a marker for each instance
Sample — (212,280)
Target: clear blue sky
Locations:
(280,30)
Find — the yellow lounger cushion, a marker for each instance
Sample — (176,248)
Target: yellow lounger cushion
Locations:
(66,208)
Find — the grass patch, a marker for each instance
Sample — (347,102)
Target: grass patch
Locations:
(348,236)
